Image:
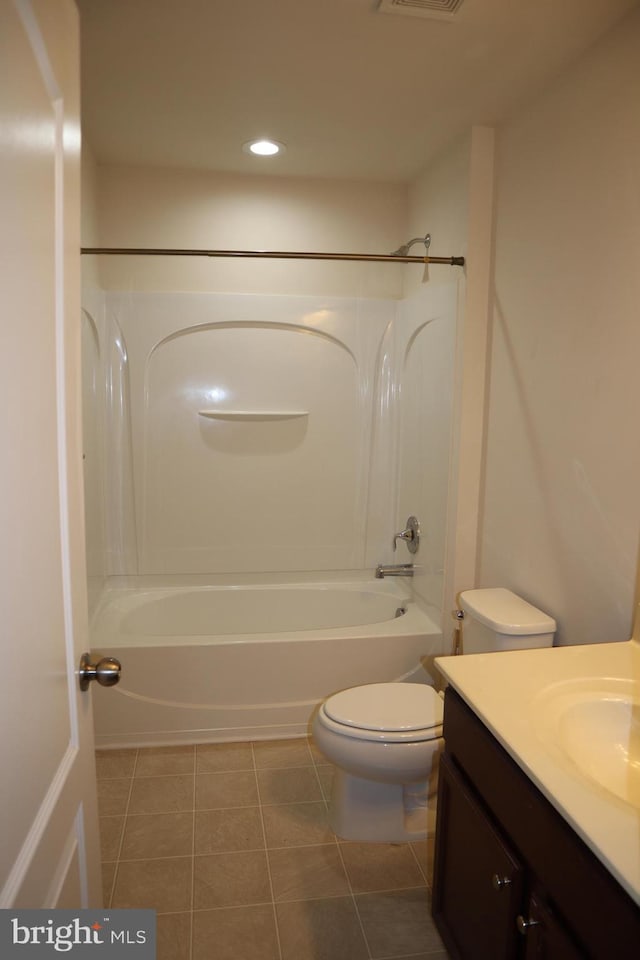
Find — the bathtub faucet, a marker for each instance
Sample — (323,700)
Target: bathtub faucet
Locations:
(394,570)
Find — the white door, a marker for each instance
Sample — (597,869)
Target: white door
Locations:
(48,825)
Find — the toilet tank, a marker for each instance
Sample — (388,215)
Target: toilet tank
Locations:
(497,619)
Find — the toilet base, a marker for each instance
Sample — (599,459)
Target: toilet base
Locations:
(380,812)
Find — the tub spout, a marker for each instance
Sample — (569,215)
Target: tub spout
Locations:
(394,570)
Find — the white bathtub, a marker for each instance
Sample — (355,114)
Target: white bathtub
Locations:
(222,661)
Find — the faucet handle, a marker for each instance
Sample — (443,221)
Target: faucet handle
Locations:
(403,535)
(410,535)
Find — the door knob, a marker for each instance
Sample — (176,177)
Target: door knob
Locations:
(105,671)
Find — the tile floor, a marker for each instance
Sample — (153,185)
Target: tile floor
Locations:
(230,844)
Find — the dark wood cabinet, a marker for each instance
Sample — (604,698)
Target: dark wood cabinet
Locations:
(512,880)
(479,895)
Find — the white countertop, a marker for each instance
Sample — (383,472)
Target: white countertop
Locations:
(512,693)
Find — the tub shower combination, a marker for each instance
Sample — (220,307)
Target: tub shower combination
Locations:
(222,399)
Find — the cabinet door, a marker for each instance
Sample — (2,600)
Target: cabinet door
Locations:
(546,937)
(478,882)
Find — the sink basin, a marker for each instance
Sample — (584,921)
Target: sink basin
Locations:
(595,726)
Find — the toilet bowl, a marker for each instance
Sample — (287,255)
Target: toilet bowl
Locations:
(385,740)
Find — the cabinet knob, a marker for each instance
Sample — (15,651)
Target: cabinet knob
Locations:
(523,925)
(498,882)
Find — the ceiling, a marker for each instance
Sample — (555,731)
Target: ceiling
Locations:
(354,93)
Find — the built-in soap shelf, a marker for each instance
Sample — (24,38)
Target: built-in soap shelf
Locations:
(252,414)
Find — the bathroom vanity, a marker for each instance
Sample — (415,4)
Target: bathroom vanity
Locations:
(532,859)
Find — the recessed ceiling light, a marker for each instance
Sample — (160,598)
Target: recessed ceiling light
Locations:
(264,147)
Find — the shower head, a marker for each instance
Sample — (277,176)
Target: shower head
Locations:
(403,251)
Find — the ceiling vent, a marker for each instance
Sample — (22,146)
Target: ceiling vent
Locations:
(433,9)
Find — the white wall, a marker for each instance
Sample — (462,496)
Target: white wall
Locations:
(438,203)
(147,207)
(561,498)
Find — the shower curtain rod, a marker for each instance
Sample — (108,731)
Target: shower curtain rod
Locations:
(271,255)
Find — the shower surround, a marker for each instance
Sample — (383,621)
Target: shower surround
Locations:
(251,436)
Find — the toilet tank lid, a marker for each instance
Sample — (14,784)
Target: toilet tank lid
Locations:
(393,707)
(505,612)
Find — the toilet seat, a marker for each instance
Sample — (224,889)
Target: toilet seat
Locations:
(392,712)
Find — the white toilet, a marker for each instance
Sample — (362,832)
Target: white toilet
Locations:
(385,738)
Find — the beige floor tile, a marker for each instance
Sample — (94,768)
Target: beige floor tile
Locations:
(113,796)
(423,851)
(161,795)
(380,866)
(225,831)
(296,824)
(234,918)
(165,761)
(112,764)
(231,880)
(236,933)
(281,753)
(219,757)
(325,773)
(162,885)
(218,790)
(173,936)
(399,923)
(110,837)
(306,873)
(158,835)
(108,876)
(321,930)
(296,785)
